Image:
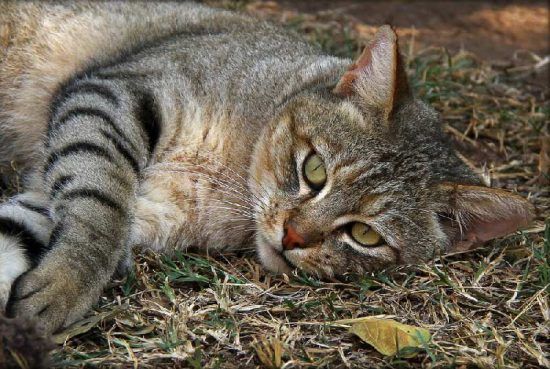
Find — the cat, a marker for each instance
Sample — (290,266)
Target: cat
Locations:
(166,125)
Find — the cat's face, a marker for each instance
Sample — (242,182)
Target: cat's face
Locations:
(340,190)
(348,196)
(361,177)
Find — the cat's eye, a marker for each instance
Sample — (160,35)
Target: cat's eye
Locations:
(315,172)
(364,235)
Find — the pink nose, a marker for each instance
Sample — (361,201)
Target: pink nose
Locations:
(292,239)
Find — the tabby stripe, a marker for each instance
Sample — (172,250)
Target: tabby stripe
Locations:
(33,247)
(35,208)
(90,112)
(92,88)
(59,184)
(121,74)
(148,115)
(122,150)
(93,194)
(74,148)
(54,235)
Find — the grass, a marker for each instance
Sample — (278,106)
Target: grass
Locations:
(486,308)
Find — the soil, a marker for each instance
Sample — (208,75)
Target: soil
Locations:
(493,30)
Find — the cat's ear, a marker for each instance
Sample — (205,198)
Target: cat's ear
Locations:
(476,214)
(378,76)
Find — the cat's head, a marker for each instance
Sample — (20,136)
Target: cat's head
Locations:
(359,177)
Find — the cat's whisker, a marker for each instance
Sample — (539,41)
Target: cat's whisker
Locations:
(257,182)
(243,185)
(245,223)
(263,190)
(233,181)
(242,208)
(248,215)
(247,207)
(231,211)
(230,181)
(245,227)
(227,202)
(232,190)
(227,190)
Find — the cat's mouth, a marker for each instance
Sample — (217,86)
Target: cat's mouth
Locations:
(273,257)
(287,260)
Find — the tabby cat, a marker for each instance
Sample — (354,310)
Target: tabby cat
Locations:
(165,125)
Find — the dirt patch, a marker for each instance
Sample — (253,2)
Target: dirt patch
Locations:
(490,29)
(509,35)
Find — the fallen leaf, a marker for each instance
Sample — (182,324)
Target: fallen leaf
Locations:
(390,337)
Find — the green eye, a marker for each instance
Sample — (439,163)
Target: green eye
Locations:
(315,172)
(364,234)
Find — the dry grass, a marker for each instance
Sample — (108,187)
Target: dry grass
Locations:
(485,308)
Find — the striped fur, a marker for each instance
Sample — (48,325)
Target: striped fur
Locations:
(166,125)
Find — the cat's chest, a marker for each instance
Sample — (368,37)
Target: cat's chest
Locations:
(196,193)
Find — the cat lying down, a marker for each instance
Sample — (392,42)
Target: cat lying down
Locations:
(168,125)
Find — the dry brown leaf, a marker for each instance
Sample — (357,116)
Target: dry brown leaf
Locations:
(390,337)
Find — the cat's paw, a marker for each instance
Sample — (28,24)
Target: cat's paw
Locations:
(52,295)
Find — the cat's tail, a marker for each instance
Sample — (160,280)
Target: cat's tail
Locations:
(22,345)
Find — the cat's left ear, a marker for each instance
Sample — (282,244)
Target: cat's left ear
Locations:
(378,76)
(476,214)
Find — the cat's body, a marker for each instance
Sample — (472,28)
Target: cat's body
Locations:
(233,91)
(171,125)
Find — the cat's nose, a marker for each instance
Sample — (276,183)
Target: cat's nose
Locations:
(292,238)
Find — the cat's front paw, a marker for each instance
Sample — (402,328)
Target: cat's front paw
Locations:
(51,295)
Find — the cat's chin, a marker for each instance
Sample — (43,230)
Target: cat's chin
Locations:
(270,257)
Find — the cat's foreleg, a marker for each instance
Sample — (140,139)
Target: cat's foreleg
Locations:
(25,226)
(99,140)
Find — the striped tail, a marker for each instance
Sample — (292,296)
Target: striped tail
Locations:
(25,227)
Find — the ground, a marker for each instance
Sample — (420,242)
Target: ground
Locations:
(485,308)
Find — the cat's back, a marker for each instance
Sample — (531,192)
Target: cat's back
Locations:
(43,44)
(68,36)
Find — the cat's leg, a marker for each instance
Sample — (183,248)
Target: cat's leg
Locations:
(25,226)
(99,140)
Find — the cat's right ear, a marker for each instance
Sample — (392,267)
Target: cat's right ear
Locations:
(378,76)
(476,214)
